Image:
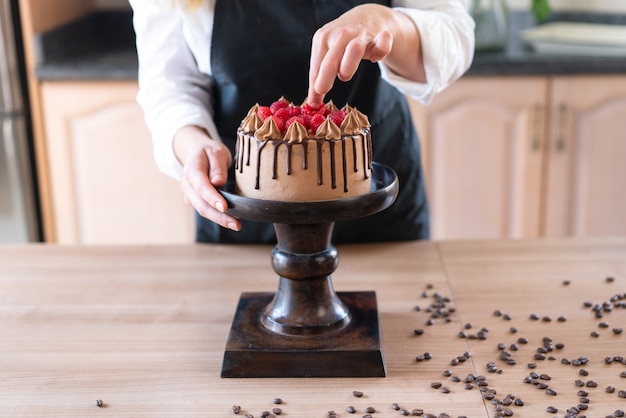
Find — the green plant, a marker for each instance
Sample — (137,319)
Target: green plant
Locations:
(541,9)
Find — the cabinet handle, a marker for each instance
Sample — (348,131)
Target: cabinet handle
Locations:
(560,140)
(536,143)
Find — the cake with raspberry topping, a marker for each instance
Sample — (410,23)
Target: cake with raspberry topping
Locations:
(286,152)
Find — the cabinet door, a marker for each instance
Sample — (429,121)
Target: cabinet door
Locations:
(482,148)
(105,186)
(586,185)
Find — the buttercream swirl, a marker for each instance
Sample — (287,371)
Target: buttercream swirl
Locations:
(331,107)
(269,130)
(363,120)
(251,122)
(328,130)
(351,124)
(296,132)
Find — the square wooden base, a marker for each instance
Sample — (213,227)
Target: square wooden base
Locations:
(353,351)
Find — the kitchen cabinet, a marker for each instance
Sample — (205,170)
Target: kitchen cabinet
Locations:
(524,157)
(586,176)
(105,187)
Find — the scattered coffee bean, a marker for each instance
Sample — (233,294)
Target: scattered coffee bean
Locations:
(418,331)
(277,401)
(622,375)
(552,409)
(622,393)
(617,331)
(583,372)
(534,317)
(583,393)
(277,411)
(99,403)
(603,324)
(562,318)
(357,393)
(264,414)
(435,385)
(610,279)
(591,384)
(370,409)
(551,392)
(351,409)
(584,399)
(610,389)
(522,340)
(595,334)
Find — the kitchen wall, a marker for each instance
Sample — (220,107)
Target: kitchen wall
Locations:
(604,6)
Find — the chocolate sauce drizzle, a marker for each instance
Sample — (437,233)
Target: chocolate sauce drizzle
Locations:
(243,151)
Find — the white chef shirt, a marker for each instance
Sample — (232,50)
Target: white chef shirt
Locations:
(174,51)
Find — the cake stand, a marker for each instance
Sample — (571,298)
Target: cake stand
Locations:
(305,328)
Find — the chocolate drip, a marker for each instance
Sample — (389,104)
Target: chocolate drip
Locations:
(259,147)
(333,174)
(320,176)
(289,146)
(276,144)
(344,168)
(305,154)
(354,159)
(366,156)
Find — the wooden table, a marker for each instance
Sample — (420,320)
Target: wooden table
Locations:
(144,328)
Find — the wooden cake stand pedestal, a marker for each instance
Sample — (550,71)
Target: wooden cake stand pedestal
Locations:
(305,328)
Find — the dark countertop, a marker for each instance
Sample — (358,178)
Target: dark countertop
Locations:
(102,47)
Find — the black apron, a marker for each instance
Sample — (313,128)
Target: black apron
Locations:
(261,51)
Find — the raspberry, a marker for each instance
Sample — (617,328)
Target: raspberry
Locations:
(279,122)
(306,120)
(338,117)
(282,113)
(307,109)
(278,104)
(294,110)
(292,120)
(264,112)
(316,121)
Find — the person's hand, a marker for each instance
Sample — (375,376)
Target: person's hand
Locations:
(371,32)
(205,163)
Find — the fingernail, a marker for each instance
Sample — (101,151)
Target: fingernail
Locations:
(219,206)
(233,226)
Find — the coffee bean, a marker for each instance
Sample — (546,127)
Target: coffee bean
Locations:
(99,403)
(357,393)
(552,409)
(395,406)
(444,390)
(579,383)
(435,385)
(595,334)
(277,411)
(591,384)
(583,372)
(519,402)
(617,331)
(417,412)
(351,409)
(618,413)
(584,399)
(551,392)
(547,318)
(622,375)
(277,401)
(534,317)
(583,393)
(522,340)
(610,279)
(370,409)
(622,393)
(562,319)
(418,331)
(264,414)
(532,365)
(507,317)
(603,324)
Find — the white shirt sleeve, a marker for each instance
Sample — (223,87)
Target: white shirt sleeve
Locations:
(447,38)
(173,92)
